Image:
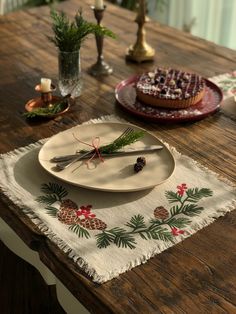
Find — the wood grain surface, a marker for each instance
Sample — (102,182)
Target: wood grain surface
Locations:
(22,289)
(199,274)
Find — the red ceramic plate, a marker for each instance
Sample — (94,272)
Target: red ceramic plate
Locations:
(126,96)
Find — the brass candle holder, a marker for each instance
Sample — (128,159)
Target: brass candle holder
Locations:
(100,67)
(141,51)
(46,97)
(47,100)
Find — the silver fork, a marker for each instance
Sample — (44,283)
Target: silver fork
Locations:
(63,164)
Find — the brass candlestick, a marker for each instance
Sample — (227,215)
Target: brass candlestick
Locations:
(141,51)
(46,97)
(100,67)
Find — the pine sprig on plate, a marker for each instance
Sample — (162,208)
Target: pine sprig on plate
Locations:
(119,143)
(122,142)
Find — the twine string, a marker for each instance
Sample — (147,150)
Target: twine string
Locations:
(95,151)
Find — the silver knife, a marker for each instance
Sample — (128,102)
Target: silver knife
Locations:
(128,150)
(65,161)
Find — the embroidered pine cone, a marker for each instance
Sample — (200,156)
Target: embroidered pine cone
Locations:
(67,212)
(92,223)
(161,213)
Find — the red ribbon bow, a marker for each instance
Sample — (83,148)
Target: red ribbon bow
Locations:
(95,150)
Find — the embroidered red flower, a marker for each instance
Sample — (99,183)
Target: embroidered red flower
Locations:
(85,211)
(175,231)
(181,189)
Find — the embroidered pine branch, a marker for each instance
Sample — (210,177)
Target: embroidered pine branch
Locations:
(118,236)
(192,196)
(180,222)
(159,227)
(163,226)
(173,196)
(123,238)
(54,188)
(162,234)
(136,222)
(191,210)
(53,193)
(52,211)
(48,199)
(80,231)
(104,239)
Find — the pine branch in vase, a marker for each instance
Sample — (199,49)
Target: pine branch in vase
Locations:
(69,36)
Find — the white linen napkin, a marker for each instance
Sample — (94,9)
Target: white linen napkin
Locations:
(227,83)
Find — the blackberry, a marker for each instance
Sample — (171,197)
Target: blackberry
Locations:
(141,160)
(162,80)
(138,167)
(179,83)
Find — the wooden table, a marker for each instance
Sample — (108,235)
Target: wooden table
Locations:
(197,275)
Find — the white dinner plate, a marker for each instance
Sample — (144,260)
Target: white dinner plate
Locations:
(115,174)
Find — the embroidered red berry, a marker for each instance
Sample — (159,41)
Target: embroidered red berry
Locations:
(175,231)
(181,189)
(85,211)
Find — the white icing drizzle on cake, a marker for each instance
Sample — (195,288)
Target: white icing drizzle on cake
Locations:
(170,84)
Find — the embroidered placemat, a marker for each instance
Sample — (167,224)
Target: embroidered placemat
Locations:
(105,233)
(227,83)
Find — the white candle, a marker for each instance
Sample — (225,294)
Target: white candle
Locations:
(45,85)
(99,5)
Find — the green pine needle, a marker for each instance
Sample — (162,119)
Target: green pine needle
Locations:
(52,211)
(54,188)
(192,210)
(119,143)
(162,235)
(80,231)
(122,142)
(125,241)
(172,196)
(194,195)
(68,36)
(48,199)
(104,239)
(53,193)
(46,111)
(175,210)
(136,222)
(180,222)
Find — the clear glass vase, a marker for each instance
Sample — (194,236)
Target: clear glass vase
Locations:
(70,79)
